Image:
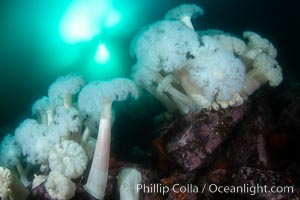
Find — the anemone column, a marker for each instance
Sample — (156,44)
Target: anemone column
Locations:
(97,179)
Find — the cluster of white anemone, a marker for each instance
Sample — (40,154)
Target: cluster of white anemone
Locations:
(60,139)
(190,70)
(51,141)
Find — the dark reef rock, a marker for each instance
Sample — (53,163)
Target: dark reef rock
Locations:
(249,146)
(180,186)
(290,124)
(247,183)
(258,183)
(193,138)
(216,176)
(177,195)
(290,117)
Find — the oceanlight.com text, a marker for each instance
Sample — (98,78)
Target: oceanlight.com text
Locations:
(249,189)
(213,188)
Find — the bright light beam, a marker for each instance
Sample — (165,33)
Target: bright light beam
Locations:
(84,19)
(78,25)
(102,55)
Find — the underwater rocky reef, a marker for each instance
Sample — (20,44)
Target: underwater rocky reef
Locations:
(225,131)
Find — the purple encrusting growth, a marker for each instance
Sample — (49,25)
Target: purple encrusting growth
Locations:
(193,138)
